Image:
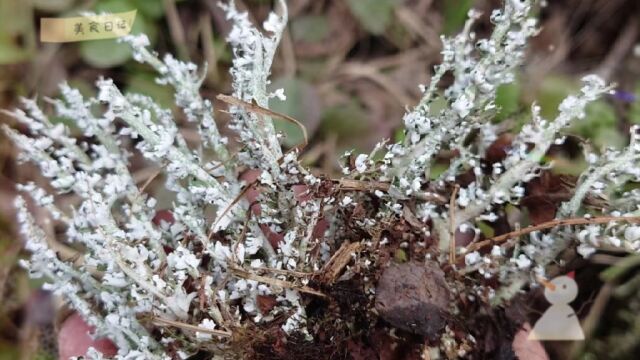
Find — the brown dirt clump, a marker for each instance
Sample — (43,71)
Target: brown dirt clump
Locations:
(414,297)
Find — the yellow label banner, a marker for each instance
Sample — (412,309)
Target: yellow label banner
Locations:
(91,27)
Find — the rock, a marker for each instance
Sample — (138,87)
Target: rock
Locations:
(414,297)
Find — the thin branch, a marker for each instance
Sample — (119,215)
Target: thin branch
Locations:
(452,225)
(229,207)
(285,272)
(339,260)
(150,179)
(362,185)
(159,321)
(254,108)
(244,274)
(176,30)
(551,224)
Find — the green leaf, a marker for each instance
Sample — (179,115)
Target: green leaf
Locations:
(15,16)
(552,91)
(313,69)
(438,104)
(400,256)
(508,100)
(302,104)
(9,351)
(373,15)
(104,53)
(599,125)
(486,229)
(10,52)
(455,14)
(600,122)
(109,53)
(616,271)
(437,169)
(52,6)
(310,28)
(144,83)
(17,33)
(345,120)
(150,9)
(399,135)
(634,111)
(222,50)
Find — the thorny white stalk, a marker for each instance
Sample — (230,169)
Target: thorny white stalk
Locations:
(135,268)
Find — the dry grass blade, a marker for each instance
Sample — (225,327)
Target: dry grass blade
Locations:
(362,185)
(262,111)
(285,272)
(158,321)
(228,208)
(452,225)
(244,274)
(150,180)
(338,261)
(549,225)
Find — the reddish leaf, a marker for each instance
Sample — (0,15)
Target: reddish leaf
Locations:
(163,215)
(544,194)
(497,151)
(74,339)
(265,303)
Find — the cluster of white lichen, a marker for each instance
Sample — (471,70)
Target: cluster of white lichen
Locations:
(132,272)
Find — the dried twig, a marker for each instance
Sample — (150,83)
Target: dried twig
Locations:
(338,261)
(244,274)
(362,185)
(159,321)
(362,70)
(452,225)
(150,179)
(176,30)
(254,108)
(229,207)
(551,224)
(285,272)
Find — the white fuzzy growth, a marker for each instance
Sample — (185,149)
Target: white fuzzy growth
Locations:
(134,267)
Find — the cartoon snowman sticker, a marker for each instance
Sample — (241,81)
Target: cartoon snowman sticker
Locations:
(559,322)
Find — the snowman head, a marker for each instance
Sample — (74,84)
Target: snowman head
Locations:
(563,291)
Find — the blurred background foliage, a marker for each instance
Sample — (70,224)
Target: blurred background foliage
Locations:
(349,69)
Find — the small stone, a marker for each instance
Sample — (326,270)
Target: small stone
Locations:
(413,297)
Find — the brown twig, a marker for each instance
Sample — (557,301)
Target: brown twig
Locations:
(362,185)
(209,50)
(176,30)
(285,272)
(254,108)
(452,225)
(551,224)
(244,274)
(243,235)
(150,179)
(229,207)
(159,321)
(362,70)
(338,261)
